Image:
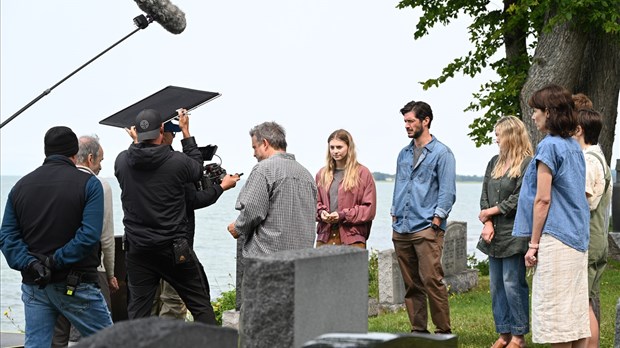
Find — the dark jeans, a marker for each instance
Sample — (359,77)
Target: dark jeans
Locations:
(419,258)
(146,268)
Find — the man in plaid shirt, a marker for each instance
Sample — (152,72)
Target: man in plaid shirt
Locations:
(277,204)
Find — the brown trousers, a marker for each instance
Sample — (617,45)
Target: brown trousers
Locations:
(419,257)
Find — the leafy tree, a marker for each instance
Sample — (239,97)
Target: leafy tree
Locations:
(574,43)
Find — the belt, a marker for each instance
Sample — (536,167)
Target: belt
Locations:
(88,277)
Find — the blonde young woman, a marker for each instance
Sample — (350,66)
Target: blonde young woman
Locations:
(498,204)
(347,197)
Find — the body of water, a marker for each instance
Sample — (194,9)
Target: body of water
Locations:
(216,249)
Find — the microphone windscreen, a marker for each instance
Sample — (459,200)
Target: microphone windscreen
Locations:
(165,13)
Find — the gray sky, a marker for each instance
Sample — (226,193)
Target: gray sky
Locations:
(312,66)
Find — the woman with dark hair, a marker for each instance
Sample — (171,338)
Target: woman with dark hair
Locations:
(498,204)
(554,213)
(347,197)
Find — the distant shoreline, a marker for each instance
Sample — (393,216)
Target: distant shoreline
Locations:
(459,178)
(379,177)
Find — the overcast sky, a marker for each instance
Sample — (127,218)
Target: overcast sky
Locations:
(312,66)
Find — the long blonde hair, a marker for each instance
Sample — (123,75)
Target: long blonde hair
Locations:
(516,146)
(351,175)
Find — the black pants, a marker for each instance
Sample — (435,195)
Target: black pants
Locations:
(146,268)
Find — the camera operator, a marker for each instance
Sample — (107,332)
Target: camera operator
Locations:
(167,302)
(153,181)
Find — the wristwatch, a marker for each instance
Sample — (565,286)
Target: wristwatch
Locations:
(434,226)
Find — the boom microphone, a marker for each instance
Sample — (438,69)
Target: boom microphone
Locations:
(163,12)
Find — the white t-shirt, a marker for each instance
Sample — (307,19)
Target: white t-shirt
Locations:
(595,176)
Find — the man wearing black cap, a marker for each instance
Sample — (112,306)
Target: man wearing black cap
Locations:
(153,178)
(50,232)
(167,302)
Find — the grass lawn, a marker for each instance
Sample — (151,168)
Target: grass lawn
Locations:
(472,320)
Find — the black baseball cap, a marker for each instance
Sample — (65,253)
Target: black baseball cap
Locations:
(148,124)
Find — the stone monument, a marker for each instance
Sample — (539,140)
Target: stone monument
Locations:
(292,296)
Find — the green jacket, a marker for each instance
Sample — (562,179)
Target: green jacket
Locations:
(503,193)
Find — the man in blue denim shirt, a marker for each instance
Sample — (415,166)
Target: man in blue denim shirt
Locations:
(424,193)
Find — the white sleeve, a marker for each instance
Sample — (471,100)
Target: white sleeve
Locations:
(107,234)
(595,180)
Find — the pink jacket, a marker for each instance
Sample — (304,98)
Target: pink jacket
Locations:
(356,209)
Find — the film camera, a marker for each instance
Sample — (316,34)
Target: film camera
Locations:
(214,173)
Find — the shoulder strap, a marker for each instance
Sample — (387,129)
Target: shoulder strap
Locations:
(604,164)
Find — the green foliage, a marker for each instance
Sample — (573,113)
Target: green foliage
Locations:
(481,266)
(226,301)
(373,274)
(493,28)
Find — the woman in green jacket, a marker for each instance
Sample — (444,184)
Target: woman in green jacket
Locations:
(498,204)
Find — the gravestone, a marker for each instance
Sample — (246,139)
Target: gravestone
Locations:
(391,286)
(457,276)
(615,199)
(614,237)
(239,273)
(292,296)
(230,318)
(383,340)
(454,258)
(156,332)
(614,244)
(617,340)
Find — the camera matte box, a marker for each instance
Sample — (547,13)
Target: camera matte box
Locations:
(166,101)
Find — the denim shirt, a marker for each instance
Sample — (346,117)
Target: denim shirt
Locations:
(568,218)
(423,190)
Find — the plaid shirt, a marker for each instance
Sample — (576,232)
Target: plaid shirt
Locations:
(277,207)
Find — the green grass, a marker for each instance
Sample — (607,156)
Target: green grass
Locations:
(470,313)
(226,301)
(472,320)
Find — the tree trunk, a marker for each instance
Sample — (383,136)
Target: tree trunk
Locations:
(515,39)
(558,59)
(600,80)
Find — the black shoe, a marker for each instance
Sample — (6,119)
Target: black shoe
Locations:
(420,331)
(449,332)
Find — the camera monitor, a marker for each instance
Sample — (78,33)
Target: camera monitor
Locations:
(207,152)
(166,101)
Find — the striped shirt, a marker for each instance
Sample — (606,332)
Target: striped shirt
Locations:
(277,207)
